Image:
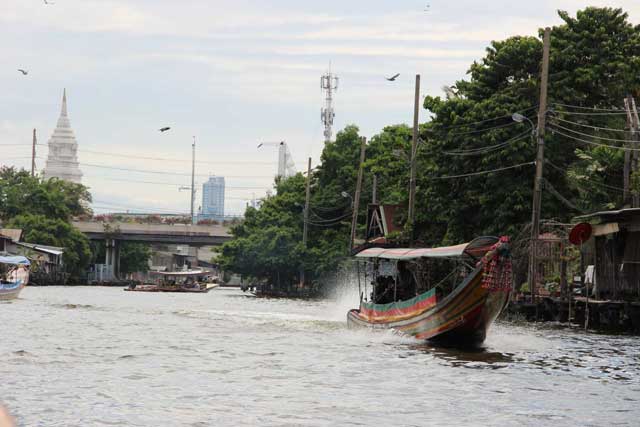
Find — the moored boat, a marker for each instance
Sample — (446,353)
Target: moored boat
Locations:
(14,275)
(412,298)
(191,281)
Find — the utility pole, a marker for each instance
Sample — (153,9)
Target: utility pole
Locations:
(193,179)
(356,199)
(33,154)
(537,189)
(305,228)
(627,155)
(414,150)
(374,190)
(631,158)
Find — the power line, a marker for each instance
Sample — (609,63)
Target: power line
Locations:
(482,172)
(156,171)
(587,108)
(615,147)
(564,172)
(164,159)
(483,150)
(485,129)
(589,135)
(483,121)
(577,113)
(227,187)
(590,126)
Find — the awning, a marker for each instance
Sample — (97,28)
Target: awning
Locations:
(16,260)
(476,248)
(413,253)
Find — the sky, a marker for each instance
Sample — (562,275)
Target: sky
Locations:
(231,74)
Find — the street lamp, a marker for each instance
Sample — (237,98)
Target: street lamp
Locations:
(517,117)
(345,195)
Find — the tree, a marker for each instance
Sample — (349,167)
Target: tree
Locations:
(56,232)
(134,257)
(20,194)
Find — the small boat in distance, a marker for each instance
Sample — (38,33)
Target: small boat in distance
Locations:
(192,281)
(450,294)
(14,275)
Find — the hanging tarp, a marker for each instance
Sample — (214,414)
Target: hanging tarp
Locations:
(15,260)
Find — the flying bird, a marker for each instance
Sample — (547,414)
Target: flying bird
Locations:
(164,129)
(24,72)
(392,78)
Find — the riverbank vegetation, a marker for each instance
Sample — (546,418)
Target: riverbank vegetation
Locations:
(43,210)
(475,163)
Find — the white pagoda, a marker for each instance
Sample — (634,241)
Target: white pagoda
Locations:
(62,161)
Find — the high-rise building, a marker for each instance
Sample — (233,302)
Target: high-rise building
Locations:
(213,198)
(62,161)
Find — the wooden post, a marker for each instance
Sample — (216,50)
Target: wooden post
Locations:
(33,154)
(356,199)
(537,190)
(414,150)
(634,156)
(626,178)
(374,191)
(305,227)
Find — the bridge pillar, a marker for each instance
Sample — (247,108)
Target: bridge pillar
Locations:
(112,257)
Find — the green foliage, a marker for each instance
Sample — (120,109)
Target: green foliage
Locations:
(594,60)
(43,209)
(134,257)
(20,194)
(56,232)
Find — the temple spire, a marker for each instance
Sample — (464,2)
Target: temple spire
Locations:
(63,111)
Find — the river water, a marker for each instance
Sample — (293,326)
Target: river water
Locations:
(85,356)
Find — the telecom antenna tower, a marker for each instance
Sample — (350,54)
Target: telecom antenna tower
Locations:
(328,84)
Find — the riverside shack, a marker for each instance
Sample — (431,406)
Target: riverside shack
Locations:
(614,251)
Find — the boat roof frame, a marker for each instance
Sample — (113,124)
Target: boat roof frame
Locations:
(475,248)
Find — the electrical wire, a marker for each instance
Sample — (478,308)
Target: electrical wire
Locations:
(589,135)
(615,147)
(564,172)
(587,108)
(577,113)
(483,150)
(482,121)
(482,172)
(156,171)
(164,159)
(589,126)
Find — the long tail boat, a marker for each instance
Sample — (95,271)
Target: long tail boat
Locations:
(459,315)
(14,275)
(176,281)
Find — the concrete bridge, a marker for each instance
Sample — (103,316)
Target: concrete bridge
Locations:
(115,232)
(192,235)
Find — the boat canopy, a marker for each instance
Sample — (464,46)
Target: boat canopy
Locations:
(180,273)
(15,260)
(477,247)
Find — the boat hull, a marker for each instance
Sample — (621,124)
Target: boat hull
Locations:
(462,318)
(177,289)
(19,280)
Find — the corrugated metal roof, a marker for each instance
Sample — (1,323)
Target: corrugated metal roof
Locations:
(13,233)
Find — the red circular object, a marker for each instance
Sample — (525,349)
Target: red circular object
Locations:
(580,233)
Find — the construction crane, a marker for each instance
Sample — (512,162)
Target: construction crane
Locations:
(286,165)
